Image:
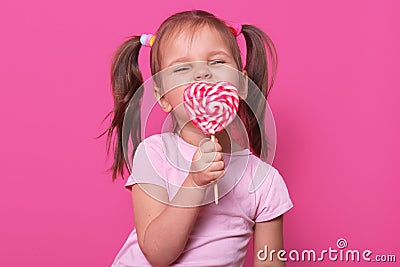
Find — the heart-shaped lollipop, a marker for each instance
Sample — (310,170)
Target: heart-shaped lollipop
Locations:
(211,107)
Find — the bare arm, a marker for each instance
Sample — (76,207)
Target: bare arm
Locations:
(163,229)
(268,234)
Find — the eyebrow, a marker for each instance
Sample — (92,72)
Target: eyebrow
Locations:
(186,59)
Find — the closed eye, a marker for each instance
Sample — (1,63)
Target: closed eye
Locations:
(216,62)
(181,69)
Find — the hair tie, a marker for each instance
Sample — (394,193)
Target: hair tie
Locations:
(235,28)
(147,39)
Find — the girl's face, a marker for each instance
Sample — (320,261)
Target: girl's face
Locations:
(205,57)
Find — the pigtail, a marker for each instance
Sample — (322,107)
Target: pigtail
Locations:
(261,65)
(126,79)
(259,48)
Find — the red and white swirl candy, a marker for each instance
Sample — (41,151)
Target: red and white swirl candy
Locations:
(211,107)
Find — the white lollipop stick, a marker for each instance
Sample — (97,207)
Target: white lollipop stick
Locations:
(216,183)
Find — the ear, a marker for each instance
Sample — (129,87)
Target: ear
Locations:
(244,88)
(162,101)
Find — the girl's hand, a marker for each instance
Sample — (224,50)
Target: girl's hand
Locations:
(207,163)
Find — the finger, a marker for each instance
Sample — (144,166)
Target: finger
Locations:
(216,166)
(217,147)
(211,157)
(218,156)
(210,147)
(207,147)
(215,175)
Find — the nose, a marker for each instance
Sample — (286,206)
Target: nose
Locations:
(202,73)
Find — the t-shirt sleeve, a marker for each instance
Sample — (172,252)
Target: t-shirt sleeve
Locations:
(272,198)
(147,165)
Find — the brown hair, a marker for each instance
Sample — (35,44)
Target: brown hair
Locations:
(126,77)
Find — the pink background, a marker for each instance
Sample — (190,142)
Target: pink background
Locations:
(335,103)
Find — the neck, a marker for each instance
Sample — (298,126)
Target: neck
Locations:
(192,135)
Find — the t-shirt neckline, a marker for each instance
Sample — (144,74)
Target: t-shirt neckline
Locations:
(243,152)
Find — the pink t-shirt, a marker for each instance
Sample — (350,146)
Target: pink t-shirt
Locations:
(251,191)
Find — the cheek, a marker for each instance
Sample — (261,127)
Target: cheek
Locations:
(175,99)
(175,96)
(227,74)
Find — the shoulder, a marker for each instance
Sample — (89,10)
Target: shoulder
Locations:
(254,179)
(155,139)
(166,148)
(149,149)
(249,172)
(262,173)
(154,143)
(270,192)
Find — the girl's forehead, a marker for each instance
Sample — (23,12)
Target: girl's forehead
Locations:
(191,43)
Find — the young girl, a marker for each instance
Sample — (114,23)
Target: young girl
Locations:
(176,221)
